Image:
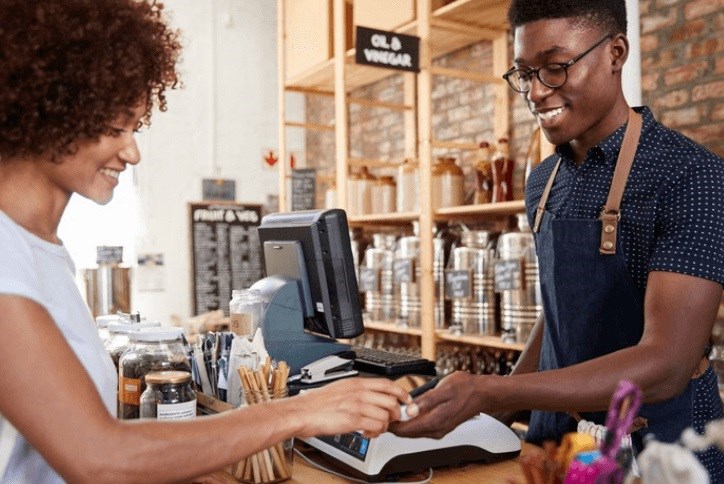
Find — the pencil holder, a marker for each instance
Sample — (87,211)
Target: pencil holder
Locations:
(273,464)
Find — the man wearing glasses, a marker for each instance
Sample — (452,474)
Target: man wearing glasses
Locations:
(628,217)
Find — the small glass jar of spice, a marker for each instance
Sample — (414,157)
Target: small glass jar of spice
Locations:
(169,395)
(153,349)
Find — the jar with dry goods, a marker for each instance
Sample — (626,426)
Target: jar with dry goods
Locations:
(119,337)
(447,184)
(169,395)
(246,310)
(154,349)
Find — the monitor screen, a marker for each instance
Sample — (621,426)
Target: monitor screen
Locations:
(314,247)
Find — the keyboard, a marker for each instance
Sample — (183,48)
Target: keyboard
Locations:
(390,363)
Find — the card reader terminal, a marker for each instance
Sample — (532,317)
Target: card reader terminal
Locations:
(479,439)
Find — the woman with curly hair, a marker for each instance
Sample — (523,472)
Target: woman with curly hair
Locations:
(77,78)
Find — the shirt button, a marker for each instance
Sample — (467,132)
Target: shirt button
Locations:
(607,245)
(609,228)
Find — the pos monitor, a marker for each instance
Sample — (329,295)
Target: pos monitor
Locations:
(310,285)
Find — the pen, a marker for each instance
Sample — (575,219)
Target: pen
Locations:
(429,385)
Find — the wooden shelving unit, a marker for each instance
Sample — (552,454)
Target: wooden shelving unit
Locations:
(441,31)
(392,328)
(479,340)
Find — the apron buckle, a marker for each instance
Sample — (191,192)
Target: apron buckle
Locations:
(609,227)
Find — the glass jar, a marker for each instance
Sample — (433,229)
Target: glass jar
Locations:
(151,349)
(102,326)
(169,395)
(119,337)
(447,184)
(246,310)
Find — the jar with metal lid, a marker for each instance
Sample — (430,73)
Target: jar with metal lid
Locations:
(119,337)
(447,184)
(408,187)
(169,395)
(383,198)
(151,349)
(246,310)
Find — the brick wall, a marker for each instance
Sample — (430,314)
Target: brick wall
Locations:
(682,67)
(462,112)
(682,62)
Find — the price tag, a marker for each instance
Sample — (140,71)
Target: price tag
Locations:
(508,275)
(404,270)
(369,279)
(458,284)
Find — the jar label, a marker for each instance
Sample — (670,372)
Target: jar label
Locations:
(176,411)
(129,390)
(242,323)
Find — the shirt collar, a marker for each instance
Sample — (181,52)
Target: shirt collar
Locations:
(608,149)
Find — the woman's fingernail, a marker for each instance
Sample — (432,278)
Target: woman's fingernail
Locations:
(413,410)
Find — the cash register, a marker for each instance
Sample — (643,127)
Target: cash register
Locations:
(312,299)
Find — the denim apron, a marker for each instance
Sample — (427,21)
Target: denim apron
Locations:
(593,308)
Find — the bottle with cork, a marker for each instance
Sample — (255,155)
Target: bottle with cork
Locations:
(483,175)
(503,167)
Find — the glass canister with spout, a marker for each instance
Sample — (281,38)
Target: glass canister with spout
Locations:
(438,275)
(516,278)
(407,281)
(469,284)
(376,278)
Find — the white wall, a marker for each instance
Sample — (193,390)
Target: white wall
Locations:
(631,76)
(217,126)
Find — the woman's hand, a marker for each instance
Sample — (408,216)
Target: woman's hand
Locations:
(353,404)
(454,400)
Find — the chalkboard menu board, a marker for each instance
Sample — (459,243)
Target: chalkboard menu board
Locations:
(225,252)
(303,188)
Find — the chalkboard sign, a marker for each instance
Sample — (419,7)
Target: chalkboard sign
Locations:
(218,189)
(387,49)
(458,284)
(225,252)
(109,254)
(369,279)
(404,270)
(303,188)
(508,274)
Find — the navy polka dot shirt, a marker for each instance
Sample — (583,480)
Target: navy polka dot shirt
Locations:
(672,212)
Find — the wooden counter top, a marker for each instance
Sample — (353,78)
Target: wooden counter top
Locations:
(508,472)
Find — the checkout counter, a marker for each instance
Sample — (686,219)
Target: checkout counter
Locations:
(507,471)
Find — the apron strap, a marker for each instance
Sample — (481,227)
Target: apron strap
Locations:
(611,212)
(544,197)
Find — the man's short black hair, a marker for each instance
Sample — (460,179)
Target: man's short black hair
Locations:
(608,15)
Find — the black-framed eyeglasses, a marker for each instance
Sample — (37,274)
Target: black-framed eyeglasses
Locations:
(551,75)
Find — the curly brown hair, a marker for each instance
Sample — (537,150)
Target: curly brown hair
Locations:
(69,67)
